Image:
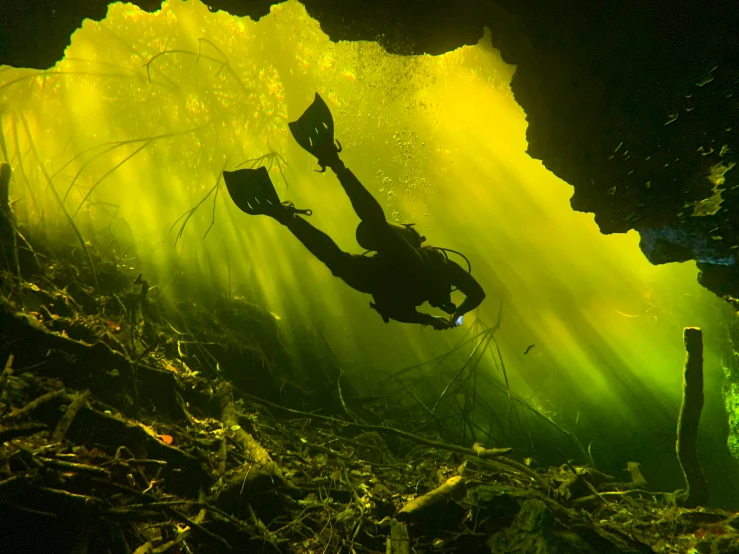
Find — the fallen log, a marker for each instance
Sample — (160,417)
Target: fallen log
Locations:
(259,473)
(424,507)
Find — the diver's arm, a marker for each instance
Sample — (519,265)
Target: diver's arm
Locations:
(414,316)
(438,323)
(468,286)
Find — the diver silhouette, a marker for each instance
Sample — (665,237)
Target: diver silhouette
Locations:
(401,275)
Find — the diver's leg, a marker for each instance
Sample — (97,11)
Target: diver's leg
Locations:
(314,131)
(372,215)
(356,271)
(365,205)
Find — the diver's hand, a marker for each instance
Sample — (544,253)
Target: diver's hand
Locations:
(455,319)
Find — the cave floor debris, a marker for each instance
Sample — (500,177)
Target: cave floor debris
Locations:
(118,434)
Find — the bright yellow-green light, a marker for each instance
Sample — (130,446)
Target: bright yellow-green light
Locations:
(145,111)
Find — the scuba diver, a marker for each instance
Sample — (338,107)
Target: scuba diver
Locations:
(401,275)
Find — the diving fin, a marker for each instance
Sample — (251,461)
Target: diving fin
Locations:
(253,193)
(314,131)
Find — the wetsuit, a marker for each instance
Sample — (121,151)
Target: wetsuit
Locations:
(400,276)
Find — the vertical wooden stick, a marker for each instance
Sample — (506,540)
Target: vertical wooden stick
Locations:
(7,372)
(4,185)
(8,244)
(687,424)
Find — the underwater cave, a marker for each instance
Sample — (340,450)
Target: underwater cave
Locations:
(181,376)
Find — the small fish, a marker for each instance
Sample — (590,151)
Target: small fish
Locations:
(529,348)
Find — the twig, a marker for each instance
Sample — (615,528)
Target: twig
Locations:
(140,461)
(20,156)
(27,510)
(28,247)
(360,506)
(586,454)
(61,203)
(41,400)
(73,466)
(181,537)
(509,464)
(585,499)
(428,442)
(80,499)
(442,357)
(213,213)
(63,73)
(95,185)
(163,504)
(200,528)
(483,452)
(439,423)
(110,146)
(65,422)
(198,55)
(582,477)
(3,145)
(341,397)
(486,339)
(12,433)
(225,63)
(189,213)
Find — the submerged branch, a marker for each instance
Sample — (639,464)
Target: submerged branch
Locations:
(493,455)
(224,63)
(119,144)
(485,340)
(61,202)
(94,186)
(63,73)
(20,163)
(189,213)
